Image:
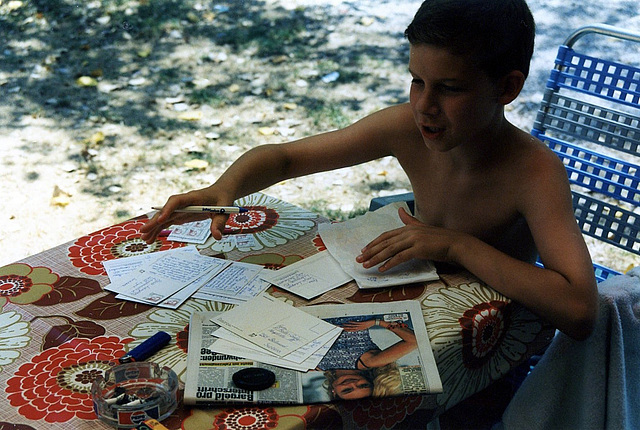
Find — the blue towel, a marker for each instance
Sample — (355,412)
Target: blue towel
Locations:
(593,384)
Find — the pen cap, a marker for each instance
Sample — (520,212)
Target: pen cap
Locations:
(147,348)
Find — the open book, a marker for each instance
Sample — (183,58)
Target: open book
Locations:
(384,350)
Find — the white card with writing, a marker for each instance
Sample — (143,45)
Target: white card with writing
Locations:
(152,283)
(273,325)
(252,289)
(232,280)
(191,232)
(302,359)
(119,267)
(309,277)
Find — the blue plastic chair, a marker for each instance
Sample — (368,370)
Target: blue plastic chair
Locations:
(590,117)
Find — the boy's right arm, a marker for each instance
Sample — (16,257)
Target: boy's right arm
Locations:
(265,165)
(255,169)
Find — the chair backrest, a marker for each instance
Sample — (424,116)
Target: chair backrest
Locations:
(590,116)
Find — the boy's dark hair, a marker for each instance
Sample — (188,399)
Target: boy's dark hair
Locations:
(497,34)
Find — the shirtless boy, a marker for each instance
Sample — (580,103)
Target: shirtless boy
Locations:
(489,197)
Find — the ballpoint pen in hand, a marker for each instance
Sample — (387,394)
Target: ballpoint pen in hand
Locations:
(212,209)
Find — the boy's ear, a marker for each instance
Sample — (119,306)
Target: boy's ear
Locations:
(510,86)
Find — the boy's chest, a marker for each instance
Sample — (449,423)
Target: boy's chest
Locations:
(481,205)
(476,213)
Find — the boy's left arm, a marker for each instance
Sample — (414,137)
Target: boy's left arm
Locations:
(565,290)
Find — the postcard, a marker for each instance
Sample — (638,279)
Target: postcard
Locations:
(309,277)
(161,278)
(191,232)
(273,325)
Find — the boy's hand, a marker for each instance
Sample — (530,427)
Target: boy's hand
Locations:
(167,217)
(414,240)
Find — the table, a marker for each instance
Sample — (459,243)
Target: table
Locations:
(59,329)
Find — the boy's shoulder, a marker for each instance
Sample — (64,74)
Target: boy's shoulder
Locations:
(399,115)
(535,153)
(533,162)
(394,125)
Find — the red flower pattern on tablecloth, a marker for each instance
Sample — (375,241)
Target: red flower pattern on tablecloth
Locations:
(250,418)
(268,223)
(257,219)
(22,284)
(483,328)
(382,413)
(120,240)
(55,385)
(476,334)
(319,243)
(257,418)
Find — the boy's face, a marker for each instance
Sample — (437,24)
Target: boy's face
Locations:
(453,103)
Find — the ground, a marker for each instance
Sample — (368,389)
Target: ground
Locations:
(108,107)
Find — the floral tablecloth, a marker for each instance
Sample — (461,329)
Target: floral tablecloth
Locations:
(59,329)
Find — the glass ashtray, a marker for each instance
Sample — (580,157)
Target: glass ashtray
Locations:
(131,393)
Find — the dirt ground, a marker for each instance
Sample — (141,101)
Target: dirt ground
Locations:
(107,107)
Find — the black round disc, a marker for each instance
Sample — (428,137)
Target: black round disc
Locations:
(254,378)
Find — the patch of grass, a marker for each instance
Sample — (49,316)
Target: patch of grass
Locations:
(325,66)
(92,167)
(272,37)
(379,186)
(156,17)
(322,207)
(347,76)
(168,75)
(31,176)
(327,115)
(207,96)
(123,214)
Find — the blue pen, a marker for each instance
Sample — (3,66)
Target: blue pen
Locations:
(147,348)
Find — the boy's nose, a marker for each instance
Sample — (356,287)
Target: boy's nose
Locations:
(428,103)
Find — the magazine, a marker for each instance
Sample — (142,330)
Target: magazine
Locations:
(383,351)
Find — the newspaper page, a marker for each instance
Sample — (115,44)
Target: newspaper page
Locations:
(209,375)
(384,350)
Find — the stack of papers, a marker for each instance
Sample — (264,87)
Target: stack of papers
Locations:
(199,232)
(168,278)
(191,232)
(330,269)
(345,240)
(236,284)
(270,331)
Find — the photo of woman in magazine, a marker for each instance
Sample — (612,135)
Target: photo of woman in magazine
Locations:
(364,361)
